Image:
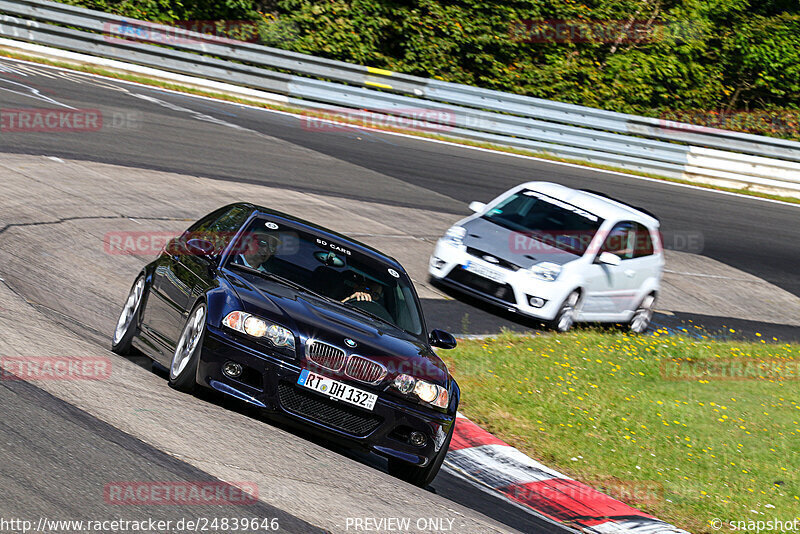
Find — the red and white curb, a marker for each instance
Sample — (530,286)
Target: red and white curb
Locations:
(484,459)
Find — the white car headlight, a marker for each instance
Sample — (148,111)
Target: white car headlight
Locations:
(257,327)
(425,391)
(546,271)
(455,235)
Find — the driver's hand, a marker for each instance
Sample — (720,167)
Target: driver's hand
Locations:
(359,295)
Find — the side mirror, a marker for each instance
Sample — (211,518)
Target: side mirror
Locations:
(608,258)
(476,206)
(200,247)
(442,339)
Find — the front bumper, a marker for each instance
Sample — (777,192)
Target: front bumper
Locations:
(446,266)
(270,382)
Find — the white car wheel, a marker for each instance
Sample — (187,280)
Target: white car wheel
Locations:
(643,315)
(565,317)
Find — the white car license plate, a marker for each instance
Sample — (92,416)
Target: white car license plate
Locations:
(337,390)
(486,272)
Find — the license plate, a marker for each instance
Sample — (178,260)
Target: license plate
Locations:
(336,390)
(486,272)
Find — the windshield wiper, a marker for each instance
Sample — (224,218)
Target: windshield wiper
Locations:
(369,314)
(281,280)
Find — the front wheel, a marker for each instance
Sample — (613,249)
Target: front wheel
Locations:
(421,476)
(128,324)
(565,317)
(183,369)
(640,321)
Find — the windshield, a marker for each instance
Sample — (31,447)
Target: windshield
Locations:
(331,269)
(546,219)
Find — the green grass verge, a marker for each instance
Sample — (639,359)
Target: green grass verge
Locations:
(609,409)
(489,146)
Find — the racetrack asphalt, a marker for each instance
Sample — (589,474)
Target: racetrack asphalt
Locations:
(57,460)
(180,133)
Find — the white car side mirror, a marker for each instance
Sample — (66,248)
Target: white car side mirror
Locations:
(608,258)
(476,206)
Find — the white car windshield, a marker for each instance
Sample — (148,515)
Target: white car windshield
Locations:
(547,219)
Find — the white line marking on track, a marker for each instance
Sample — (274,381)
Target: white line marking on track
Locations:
(489,491)
(32,92)
(501,465)
(702,275)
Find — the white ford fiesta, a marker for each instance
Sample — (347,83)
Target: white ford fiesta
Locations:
(556,254)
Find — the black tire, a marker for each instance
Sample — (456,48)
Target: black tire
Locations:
(421,476)
(640,321)
(183,367)
(565,317)
(128,323)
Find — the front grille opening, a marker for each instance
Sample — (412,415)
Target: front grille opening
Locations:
(365,370)
(483,285)
(500,261)
(325,355)
(251,377)
(331,413)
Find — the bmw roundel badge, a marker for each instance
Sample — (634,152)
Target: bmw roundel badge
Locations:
(350,343)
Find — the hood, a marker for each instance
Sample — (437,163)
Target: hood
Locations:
(511,246)
(311,317)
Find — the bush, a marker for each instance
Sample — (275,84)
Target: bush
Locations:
(655,58)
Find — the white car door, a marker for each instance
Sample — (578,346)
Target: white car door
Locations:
(636,270)
(612,289)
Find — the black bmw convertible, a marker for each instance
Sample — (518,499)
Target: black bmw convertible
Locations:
(313,327)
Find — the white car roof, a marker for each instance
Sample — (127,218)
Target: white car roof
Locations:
(601,206)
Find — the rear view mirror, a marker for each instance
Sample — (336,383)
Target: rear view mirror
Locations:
(608,258)
(442,339)
(328,258)
(476,206)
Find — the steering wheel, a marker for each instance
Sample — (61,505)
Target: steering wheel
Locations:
(375,308)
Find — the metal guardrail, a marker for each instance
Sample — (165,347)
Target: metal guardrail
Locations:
(564,130)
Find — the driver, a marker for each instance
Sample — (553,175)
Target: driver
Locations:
(366,292)
(260,251)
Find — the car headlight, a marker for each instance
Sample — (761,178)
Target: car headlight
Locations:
(256,327)
(455,235)
(425,391)
(546,271)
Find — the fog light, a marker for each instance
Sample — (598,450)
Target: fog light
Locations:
(232,369)
(437,263)
(536,302)
(417,439)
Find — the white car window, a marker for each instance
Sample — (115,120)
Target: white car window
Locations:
(621,240)
(644,241)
